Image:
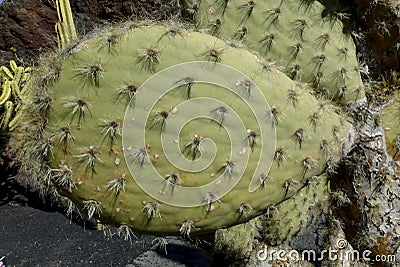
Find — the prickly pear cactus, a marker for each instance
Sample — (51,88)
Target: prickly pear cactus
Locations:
(76,138)
(284,220)
(13,80)
(292,33)
(391,126)
(279,222)
(236,242)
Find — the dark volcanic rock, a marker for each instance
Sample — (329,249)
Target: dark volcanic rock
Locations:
(29,25)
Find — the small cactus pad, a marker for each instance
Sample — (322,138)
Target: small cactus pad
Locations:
(293,34)
(391,125)
(236,242)
(287,218)
(75,136)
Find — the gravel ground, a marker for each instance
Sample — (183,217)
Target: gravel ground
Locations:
(33,233)
(32,237)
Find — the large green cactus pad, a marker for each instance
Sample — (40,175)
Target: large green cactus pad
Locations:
(292,33)
(70,142)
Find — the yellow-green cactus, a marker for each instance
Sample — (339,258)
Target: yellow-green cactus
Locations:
(13,81)
(287,218)
(293,34)
(236,242)
(65,26)
(391,125)
(76,139)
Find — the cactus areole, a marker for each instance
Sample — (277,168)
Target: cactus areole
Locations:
(166,130)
